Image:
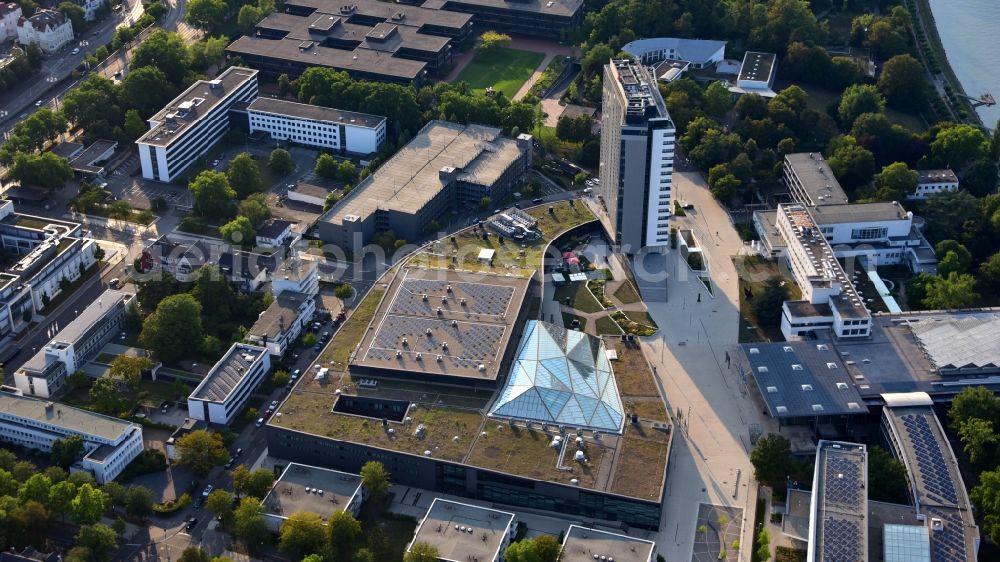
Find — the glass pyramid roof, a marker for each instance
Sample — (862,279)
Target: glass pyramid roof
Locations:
(563,377)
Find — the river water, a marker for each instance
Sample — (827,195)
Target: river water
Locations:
(969,31)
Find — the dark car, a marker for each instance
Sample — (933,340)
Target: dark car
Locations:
(318,347)
(230,463)
(537,201)
(191,523)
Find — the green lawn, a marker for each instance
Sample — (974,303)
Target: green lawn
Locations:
(579,296)
(506,70)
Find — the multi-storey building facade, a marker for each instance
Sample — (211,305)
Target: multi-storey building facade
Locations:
(637,155)
(48,29)
(227,387)
(10,13)
(344,132)
(44,375)
(193,122)
(930,182)
(109,443)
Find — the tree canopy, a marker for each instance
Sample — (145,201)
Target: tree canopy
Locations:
(201,450)
(213,196)
(174,329)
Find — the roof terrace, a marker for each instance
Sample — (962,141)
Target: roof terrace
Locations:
(586,545)
(308,488)
(462,532)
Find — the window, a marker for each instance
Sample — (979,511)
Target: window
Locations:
(842,385)
(772,390)
(762,369)
(817,407)
(872,233)
(807,387)
(796,367)
(831,365)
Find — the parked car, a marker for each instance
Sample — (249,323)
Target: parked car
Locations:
(230,463)
(259,422)
(296,373)
(318,347)
(239,451)
(274,405)
(76,50)
(537,200)
(115,283)
(39,103)
(191,523)
(208,490)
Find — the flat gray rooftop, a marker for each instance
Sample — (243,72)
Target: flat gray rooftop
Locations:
(858,212)
(960,340)
(697,51)
(279,316)
(415,16)
(756,66)
(289,493)
(314,112)
(818,181)
(411,178)
(802,379)
(463,532)
(184,117)
(585,545)
(228,372)
(324,26)
(314,54)
(936,176)
(67,418)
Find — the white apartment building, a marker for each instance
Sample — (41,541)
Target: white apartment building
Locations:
(109,443)
(192,123)
(48,251)
(277,232)
(44,375)
(282,322)
(344,132)
(49,29)
(90,8)
(10,13)
(637,155)
(227,387)
(933,181)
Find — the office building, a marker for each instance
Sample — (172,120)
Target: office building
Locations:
(45,251)
(637,158)
(109,444)
(369,40)
(44,375)
(282,322)
(342,132)
(699,53)
(446,165)
(226,388)
(838,525)
(10,13)
(582,544)
(49,29)
(314,490)
(548,19)
(461,532)
(192,123)
(933,181)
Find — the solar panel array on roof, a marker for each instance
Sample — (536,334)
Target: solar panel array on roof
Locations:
(931,463)
(842,541)
(948,541)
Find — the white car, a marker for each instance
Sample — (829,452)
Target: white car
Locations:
(76,50)
(39,103)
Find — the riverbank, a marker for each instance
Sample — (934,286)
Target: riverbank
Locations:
(944,80)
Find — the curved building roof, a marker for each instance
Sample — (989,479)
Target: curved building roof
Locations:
(563,377)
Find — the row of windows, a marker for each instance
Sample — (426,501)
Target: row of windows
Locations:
(871,233)
(854,333)
(275,125)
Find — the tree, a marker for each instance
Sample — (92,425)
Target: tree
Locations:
(946,213)
(974,402)
(895,182)
(174,329)
(220,504)
(44,170)
(986,498)
(35,488)
(238,231)
(207,15)
(326,166)
(767,305)
(345,531)
(207,52)
(958,145)
(902,82)
(771,457)
(853,165)
(201,450)
(957,290)
(165,51)
(88,505)
(101,540)
(718,99)
(858,99)
(989,271)
(61,498)
(116,493)
(128,370)
(543,548)
(65,451)
(194,554)
(979,441)
(146,89)
(280,161)
(212,194)
(244,175)
(255,483)
(255,209)
(248,18)
(722,183)
(139,502)
(106,397)
(763,553)
(375,479)
(491,42)
(980,177)
(135,127)
(952,257)
(93,106)
(302,533)
(422,552)
(249,526)
(75,14)
(886,477)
